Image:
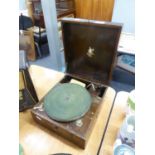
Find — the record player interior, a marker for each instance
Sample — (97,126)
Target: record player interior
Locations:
(96,90)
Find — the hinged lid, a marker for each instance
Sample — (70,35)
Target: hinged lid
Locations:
(90,48)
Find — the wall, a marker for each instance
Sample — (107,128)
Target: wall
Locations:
(22,4)
(124,12)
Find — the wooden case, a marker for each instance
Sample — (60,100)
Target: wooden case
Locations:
(90,49)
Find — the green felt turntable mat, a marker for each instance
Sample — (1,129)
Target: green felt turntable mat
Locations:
(67,102)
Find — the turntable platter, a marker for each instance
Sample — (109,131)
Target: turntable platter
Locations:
(67,102)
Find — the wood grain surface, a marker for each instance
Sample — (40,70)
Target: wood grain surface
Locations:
(94,9)
(37,140)
(116,120)
(21,81)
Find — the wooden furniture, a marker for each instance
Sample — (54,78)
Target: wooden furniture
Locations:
(37,140)
(37,12)
(94,9)
(115,122)
(63,7)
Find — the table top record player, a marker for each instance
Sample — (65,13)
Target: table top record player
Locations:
(69,109)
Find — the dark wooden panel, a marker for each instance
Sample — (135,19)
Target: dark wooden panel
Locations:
(90,48)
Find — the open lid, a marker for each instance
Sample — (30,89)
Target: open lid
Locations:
(90,48)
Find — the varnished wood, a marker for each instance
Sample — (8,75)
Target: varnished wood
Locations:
(44,79)
(64,8)
(94,9)
(21,81)
(84,8)
(80,35)
(116,120)
(102,9)
(69,130)
(37,140)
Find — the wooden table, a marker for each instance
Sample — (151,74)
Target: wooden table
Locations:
(37,140)
(115,122)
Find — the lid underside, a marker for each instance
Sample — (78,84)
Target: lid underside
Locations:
(90,48)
